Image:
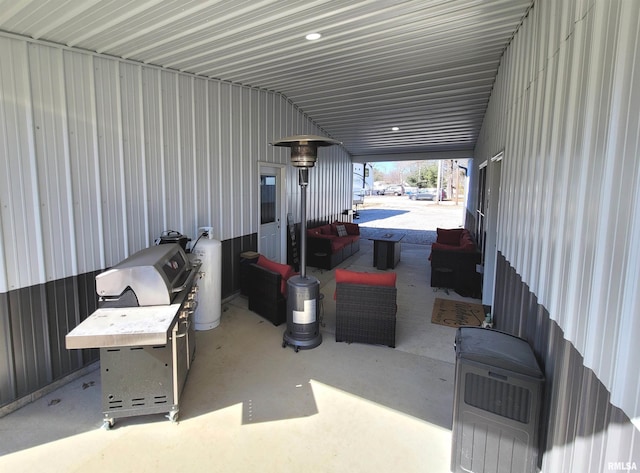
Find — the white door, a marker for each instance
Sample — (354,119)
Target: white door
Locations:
(493,211)
(270,208)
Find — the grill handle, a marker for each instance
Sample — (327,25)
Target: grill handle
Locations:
(192,273)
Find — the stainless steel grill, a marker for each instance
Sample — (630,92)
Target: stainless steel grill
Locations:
(144,330)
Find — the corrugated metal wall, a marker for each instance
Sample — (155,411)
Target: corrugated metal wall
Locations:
(583,431)
(102,155)
(565,111)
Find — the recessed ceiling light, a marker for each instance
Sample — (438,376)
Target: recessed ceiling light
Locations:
(395,128)
(313,36)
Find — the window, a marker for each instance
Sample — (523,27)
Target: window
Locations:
(267,199)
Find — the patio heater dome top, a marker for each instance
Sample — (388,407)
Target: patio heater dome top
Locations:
(305,139)
(304,148)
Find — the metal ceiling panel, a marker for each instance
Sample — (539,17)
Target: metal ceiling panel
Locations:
(425,66)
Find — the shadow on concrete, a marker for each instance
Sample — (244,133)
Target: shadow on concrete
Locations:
(370,215)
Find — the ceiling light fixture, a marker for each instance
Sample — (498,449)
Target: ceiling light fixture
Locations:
(395,128)
(313,36)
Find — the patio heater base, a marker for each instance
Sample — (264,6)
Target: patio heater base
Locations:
(303,324)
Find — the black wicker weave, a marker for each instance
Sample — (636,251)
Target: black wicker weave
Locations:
(264,294)
(366,314)
(456,270)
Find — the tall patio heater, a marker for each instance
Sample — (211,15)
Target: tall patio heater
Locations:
(303,292)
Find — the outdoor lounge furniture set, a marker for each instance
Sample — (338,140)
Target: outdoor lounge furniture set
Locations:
(454,257)
(366,303)
(329,245)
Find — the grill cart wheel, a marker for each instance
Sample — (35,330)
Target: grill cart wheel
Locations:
(173,416)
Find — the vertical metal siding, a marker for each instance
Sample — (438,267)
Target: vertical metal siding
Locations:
(87,224)
(186,130)
(564,109)
(215,115)
(7,371)
(236,160)
(133,158)
(21,227)
(244,169)
(171,175)
(224,182)
(102,155)
(581,429)
(154,148)
(623,218)
(31,357)
(62,303)
(142,142)
(110,172)
(201,162)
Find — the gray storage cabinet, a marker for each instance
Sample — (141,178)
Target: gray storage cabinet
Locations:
(496,406)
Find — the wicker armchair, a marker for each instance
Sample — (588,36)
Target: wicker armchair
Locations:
(265,297)
(366,313)
(267,288)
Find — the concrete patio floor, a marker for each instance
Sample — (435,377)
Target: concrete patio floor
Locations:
(250,405)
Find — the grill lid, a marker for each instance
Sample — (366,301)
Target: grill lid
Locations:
(154,274)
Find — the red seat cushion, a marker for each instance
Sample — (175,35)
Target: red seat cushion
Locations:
(338,243)
(283,270)
(449,236)
(368,279)
(442,246)
(352,228)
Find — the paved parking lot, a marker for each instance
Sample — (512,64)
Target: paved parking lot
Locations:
(417,219)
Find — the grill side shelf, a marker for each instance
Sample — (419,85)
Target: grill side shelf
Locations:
(122,327)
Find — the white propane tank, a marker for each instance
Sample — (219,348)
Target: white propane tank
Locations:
(209,308)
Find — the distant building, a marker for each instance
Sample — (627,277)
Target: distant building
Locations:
(362,180)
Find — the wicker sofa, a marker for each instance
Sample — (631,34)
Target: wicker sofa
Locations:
(454,257)
(328,245)
(366,307)
(267,289)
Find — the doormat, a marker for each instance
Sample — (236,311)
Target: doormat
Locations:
(457,313)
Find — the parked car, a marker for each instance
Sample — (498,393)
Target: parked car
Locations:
(378,188)
(394,190)
(423,194)
(428,193)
